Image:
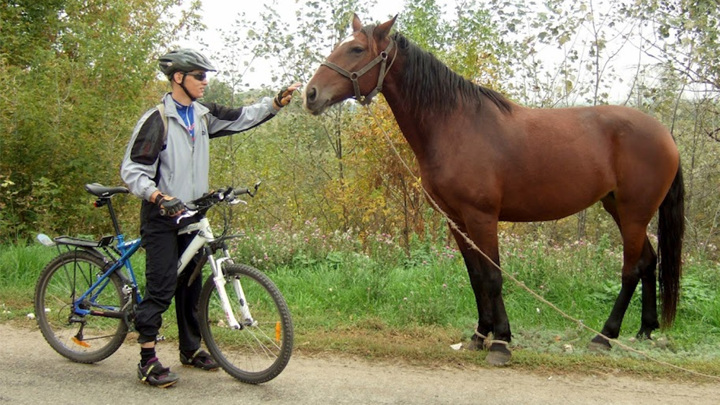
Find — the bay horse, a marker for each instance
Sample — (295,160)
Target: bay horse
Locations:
(484,159)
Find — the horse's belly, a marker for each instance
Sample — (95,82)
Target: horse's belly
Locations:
(528,214)
(551,204)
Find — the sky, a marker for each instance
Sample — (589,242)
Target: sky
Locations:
(221,14)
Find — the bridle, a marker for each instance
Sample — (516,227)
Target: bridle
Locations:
(354,76)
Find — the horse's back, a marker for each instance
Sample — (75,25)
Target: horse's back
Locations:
(644,152)
(567,159)
(616,134)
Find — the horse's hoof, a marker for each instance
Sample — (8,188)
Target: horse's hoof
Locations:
(499,355)
(599,345)
(645,334)
(474,345)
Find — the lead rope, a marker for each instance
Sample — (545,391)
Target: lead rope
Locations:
(488,340)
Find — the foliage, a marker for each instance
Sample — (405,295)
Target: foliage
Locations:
(75,76)
(467,42)
(75,79)
(686,33)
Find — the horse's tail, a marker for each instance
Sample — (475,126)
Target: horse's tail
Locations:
(671,229)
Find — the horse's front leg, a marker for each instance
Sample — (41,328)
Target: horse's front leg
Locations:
(485,325)
(486,281)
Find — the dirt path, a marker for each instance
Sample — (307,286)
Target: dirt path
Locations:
(31,373)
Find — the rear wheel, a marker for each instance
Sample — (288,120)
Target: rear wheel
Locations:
(260,350)
(88,338)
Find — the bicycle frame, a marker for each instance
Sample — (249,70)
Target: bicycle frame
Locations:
(126,249)
(200,242)
(119,255)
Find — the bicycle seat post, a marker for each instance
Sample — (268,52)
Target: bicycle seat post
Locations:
(104,195)
(112,214)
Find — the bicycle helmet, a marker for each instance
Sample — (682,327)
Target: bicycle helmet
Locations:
(184,60)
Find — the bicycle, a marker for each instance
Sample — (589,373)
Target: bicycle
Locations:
(86,297)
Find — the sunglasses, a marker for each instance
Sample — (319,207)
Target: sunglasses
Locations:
(198,76)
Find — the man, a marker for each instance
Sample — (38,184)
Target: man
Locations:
(167,163)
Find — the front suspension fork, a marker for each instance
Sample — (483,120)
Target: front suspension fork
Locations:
(220,280)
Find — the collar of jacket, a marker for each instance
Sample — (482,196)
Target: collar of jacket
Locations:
(171,110)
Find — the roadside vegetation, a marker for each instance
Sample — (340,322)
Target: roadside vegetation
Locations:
(381,303)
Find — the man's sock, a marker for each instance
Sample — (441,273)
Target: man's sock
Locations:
(146,354)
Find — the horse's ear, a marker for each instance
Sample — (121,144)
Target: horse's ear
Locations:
(383,29)
(356,23)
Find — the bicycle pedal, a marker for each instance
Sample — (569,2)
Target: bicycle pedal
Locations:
(80,342)
(77,319)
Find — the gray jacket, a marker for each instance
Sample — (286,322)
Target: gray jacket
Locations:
(177,166)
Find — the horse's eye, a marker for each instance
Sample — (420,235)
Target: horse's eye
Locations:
(356,50)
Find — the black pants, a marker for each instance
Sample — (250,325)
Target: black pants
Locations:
(163,247)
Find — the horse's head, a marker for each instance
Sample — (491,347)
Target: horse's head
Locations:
(343,74)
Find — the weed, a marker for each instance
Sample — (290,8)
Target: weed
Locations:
(343,292)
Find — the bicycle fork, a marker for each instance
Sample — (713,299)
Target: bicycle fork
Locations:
(220,282)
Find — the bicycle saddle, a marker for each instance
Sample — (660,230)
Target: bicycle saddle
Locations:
(99,190)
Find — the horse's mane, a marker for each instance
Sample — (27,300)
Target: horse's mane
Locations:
(432,86)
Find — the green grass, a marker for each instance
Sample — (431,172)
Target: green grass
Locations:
(389,305)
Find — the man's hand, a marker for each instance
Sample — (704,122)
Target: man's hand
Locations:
(284,96)
(169,206)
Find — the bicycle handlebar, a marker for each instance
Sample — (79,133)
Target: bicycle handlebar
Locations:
(207,201)
(200,205)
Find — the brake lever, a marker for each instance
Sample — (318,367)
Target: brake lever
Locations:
(188,213)
(257,185)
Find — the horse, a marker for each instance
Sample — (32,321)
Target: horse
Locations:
(484,159)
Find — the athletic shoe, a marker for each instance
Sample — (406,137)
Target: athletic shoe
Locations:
(199,359)
(156,375)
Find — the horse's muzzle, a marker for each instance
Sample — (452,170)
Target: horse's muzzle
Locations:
(312,102)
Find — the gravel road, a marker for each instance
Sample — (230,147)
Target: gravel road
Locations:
(32,373)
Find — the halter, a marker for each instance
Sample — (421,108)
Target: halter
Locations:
(354,76)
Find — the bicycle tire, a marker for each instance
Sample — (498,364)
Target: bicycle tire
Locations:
(255,353)
(62,280)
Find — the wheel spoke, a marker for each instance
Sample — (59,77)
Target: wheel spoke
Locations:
(256,353)
(63,279)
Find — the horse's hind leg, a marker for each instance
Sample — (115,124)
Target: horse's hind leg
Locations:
(639,261)
(649,321)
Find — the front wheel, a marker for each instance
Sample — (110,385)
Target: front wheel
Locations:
(260,350)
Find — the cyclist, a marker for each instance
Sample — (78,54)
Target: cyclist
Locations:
(166,163)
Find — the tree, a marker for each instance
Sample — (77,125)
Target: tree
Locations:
(338,167)
(319,27)
(682,39)
(75,77)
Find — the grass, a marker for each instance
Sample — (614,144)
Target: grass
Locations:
(388,305)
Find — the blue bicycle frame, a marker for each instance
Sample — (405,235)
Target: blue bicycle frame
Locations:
(126,249)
